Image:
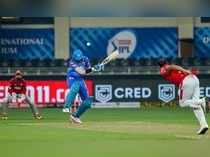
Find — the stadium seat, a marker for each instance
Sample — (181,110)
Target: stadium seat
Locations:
(16,63)
(28,63)
(207,62)
(177,61)
(155,61)
(185,61)
(4,63)
(118,62)
(11,62)
(60,62)
(197,61)
(19,63)
(112,64)
(149,62)
(48,63)
(130,62)
(35,63)
(136,63)
(50,66)
(169,60)
(141,62)
(124,62)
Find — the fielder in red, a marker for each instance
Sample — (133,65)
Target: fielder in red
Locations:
(17,89)
(189,90)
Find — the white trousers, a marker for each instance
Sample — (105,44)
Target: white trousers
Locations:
(189,96)
(28,100)
(189,92)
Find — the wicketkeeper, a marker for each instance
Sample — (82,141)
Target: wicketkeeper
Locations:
(17,89)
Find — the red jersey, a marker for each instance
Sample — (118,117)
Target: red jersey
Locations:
(174,76)
(17,86)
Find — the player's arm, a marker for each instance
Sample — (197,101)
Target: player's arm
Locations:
(83,71)
(24,87)
(88,69)
(179,68)
(11,86)
(78,69)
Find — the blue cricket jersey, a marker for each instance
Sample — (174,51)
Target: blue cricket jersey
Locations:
(71,72)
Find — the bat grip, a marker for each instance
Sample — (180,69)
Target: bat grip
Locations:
(105,62)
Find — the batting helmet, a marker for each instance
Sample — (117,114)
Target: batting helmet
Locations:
(77,55)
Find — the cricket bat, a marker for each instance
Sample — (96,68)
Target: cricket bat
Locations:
(110,57)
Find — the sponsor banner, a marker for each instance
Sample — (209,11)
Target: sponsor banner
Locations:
(133,90)
(135,43)
(202,42)
(106,89)
(44,92)
(142,89)
(205,88)
(17,43)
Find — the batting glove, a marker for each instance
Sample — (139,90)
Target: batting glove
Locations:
(98,68)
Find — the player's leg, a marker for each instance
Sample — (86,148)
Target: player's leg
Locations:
(74,89)
(33,107)
(199,113)
(186,92)
(5,105)
(201,119)
(189,95)
(86,103)
(75,104)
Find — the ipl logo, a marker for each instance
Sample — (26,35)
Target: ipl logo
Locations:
(103,93)
(124,45)
(125,41)
(166,92)
(206,40)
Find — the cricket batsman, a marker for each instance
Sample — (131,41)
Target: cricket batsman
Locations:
(17,89)
(189,90)
(79,66)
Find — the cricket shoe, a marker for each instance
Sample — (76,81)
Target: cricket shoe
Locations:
(4,116)
(75,120)
(203,104)
(66,110)
(202,130)
(38,116)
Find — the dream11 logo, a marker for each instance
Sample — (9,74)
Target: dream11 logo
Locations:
(125,41)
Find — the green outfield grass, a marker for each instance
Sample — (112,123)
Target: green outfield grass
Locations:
(151,132)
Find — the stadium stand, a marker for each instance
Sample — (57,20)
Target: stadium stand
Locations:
(122,66)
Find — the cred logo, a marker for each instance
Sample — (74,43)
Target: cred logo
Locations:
(166,92)
(132,92)
(103,93)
